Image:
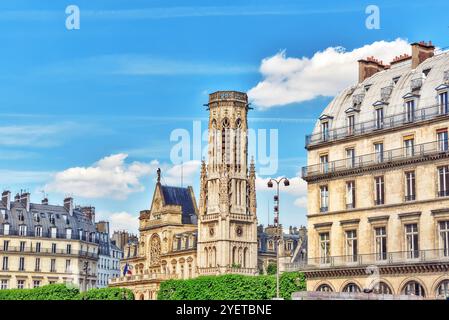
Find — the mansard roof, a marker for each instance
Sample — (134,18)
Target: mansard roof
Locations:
(430,74)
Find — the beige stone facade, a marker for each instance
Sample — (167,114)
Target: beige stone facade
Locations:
(378,205)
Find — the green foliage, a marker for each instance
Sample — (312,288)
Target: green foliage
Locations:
(50,292)
(65,292)
(231,287)
(272,268)
(236,265)
(107,294)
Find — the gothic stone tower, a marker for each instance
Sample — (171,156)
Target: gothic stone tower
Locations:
(227,228)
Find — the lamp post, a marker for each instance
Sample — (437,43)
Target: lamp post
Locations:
(276,224)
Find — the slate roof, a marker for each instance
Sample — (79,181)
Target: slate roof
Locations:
(39,215)
(181,197)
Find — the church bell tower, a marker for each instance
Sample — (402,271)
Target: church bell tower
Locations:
(227,226)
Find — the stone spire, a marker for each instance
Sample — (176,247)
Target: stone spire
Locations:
(252,188)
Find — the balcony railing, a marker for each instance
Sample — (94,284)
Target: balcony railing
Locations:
(140,277)
(48,251)
(380,259)
(377,158)
(393,121)
(47,234)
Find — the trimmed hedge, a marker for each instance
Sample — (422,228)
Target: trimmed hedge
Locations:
(64,292)
(232,287)
(108,294)
(50,292)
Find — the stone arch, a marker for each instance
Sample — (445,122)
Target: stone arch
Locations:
(324,283)
(240,256)
(206,254)
(214,256)
(348,282)
(408,280)
(386,283)
(234,255)
(245,258)
(437,283)
(436,287)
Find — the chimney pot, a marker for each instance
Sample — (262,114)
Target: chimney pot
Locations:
(421,51)
(68,205)
(6,199)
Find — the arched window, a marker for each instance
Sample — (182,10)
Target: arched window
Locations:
(206,254)
(245,258)
(443,289)
(413,288)
(383,288)
(351,287)
(234,255)
(324,288)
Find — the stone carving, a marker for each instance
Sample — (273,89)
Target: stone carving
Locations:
(155,250)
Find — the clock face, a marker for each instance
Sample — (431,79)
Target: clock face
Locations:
(211,231)
(239,231)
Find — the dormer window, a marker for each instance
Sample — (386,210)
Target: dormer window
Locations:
(6,229)
(325,131)
(22,230)
(68,233)
(367,87)
(396,79)
(410,106)
(53,232)
(38,231)
(426,72)
(442,98)
(351,124)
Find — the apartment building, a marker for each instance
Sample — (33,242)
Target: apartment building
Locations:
(378,181)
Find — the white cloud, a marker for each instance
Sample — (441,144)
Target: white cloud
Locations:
(297,189)
(110,177)
(120,221)
(113,177)
(288,80)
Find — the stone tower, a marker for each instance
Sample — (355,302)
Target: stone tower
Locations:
(227,227)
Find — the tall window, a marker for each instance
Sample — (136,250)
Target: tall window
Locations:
(443,102)
(5,245)
(442,140)
(69,249)
(409,144)
(351,245)
(20,284)
(380,235)
(379,152)
(443,181)
(37,264)
(68,266)
(36,283)
(324,199)
(38,247)
(5,264)
(351,124)
(4,284)
(380,190)
(350,194)
(443,289)
(22,230)
(324,163)
(350,158)
(444,237)
(21,264)
(68,233)
(53,232)
(6,229)
(379,118)
(22,246)
(325,131)
(413,288)
(53,265)
(410,190)
(411,240)
(410,111)
(325,246)
(53,248)
(38,231)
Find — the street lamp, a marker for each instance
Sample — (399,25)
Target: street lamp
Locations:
(276,224)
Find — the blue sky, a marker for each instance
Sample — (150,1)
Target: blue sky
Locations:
(137,70)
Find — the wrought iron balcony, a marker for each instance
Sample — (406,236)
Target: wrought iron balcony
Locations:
(415,153)
(393,121)
(410,197)
(379,259)
(49,251)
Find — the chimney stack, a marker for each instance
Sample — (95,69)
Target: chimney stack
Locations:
(17,197)
(45,201)
(25,200)
(89,212)
(421,51)
(68,205)
(6,199)
(368,67)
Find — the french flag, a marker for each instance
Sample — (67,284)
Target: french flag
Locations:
(127,269)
